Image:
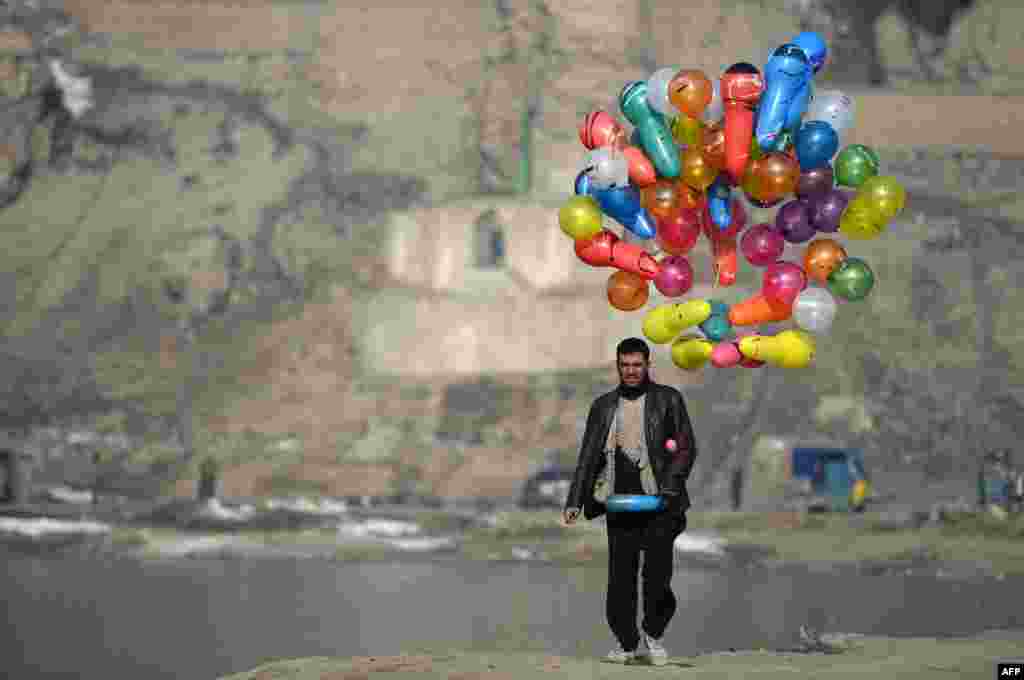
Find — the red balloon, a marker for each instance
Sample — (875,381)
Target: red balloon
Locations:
(678,231)
(783,282)
(596,251)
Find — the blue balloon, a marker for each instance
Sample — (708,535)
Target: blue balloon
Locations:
(717,327)
(622,204)
(654,133)
(814,47)
(718,308)
(633,503)
(816,143)
(720,201)
(582,185)
(798,107)
(634,136)
(787,73)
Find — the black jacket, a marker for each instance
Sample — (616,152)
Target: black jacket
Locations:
(665,418)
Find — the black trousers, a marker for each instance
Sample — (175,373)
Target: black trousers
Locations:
(628,536)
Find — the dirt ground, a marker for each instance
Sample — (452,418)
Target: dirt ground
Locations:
(912,658)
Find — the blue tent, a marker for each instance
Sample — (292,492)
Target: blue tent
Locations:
(833,472)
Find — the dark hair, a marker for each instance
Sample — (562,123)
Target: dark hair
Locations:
(633,346)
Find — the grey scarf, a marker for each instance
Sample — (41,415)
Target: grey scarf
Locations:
(606,484)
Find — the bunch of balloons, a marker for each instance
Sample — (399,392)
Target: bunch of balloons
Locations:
(698,150)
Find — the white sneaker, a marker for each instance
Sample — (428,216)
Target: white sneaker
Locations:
(655,652)
(620,655)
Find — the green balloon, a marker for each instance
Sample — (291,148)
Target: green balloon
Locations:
(855,165)
(852,280)
(870,153)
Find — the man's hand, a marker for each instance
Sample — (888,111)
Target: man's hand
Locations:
(569,516)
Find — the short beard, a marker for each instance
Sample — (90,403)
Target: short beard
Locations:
(631,392)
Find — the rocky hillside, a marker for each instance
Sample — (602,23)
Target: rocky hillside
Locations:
(196,211)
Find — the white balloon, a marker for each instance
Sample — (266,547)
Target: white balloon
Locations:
(814,310)
(657,91)
(715,109)
(608,168)
(833,107)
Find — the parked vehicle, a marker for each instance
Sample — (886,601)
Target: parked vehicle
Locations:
(548,487)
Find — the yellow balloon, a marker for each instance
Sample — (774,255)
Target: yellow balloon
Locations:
(859,493)
(657,327)
(861,221)
(688,131)
(696,171)
(580,218)
(755,149)
(789,349)
(667,321)
(884,194)
(690,313)
(860,229)
(690,353)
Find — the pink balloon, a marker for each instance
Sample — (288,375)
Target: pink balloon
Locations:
(762,245)
(725,354)
(670,445)
(675,276)
(783,281)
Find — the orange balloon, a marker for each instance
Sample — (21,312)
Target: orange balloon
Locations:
(759,309)
(661,198)
(771,177)
(822,257)
(714,145)
(690,91)
(696,172)
(689,197)
(627,291)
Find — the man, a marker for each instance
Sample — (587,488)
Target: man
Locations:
(630,427)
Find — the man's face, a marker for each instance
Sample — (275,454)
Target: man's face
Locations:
(632,369)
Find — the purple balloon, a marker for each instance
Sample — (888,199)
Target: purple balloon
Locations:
(826,209)
(794,222)
(762,245)
(814,182)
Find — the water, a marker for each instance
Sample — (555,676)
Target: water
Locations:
(86,617)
